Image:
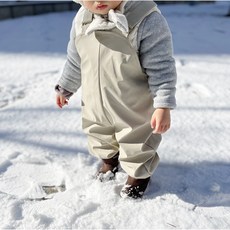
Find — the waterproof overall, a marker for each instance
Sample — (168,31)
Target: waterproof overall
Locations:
(116,101)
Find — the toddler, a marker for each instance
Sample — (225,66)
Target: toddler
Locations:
(120,53)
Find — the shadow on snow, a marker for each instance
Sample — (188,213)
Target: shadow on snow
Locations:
(204,183)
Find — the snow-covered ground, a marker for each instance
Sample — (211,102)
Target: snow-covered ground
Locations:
(41,145)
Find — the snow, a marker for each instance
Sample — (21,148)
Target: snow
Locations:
(41,145)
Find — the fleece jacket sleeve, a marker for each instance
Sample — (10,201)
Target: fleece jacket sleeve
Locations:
(155,53)
(71,76)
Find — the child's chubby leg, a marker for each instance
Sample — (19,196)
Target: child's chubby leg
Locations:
(103,145)
(135,150)
(135,187)
(138,158)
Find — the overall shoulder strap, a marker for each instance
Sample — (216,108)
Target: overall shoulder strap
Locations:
(139,11)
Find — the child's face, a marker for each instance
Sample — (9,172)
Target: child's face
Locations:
(101,7)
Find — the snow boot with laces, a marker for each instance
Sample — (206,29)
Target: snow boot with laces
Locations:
(134,188)
(108,169)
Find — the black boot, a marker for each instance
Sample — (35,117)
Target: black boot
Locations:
(134,188)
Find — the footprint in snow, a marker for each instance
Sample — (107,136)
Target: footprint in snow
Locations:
(7,162)
(195,89)
(10,94)
(39,181)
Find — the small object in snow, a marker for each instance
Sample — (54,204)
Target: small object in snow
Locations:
(42,192)
(50,189)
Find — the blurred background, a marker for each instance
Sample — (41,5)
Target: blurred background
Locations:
(18,8)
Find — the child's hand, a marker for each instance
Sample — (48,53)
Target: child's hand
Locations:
(61,100)
(160,121)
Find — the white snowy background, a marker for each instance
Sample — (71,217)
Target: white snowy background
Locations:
(41,145)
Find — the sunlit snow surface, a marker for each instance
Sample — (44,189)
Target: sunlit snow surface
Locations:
(41,145)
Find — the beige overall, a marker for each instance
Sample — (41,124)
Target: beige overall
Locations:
(116,102)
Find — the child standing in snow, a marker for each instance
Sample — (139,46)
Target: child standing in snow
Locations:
(120,53)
